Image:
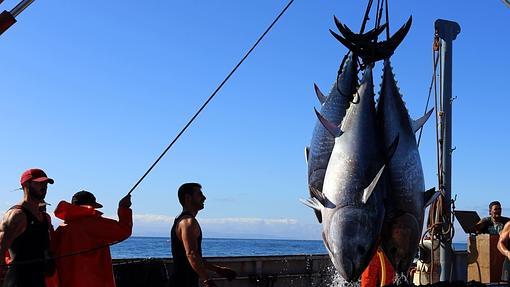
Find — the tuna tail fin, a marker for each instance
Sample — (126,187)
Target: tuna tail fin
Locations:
(430,196)
(372,52)
(359,39)
(367,192)
(319,94)
(307,154)
(333,129)
(417,124)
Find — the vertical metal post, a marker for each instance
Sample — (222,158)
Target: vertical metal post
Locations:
(447,32)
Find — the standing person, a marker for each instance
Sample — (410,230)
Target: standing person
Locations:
(503,247)
(25,234)
(81,242)
(186,235)
(494,223)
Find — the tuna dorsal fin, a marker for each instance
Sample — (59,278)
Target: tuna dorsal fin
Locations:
(333,129)
(313,203)
(319,94)
(417,124)
(430,196)
(367,192)
(307,154)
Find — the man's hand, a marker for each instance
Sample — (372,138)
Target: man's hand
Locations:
(226,272)
(209,283)
(125,201)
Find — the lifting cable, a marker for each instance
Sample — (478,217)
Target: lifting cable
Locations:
(211,96)
(169,146)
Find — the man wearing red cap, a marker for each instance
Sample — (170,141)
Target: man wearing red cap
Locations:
(87,235)
(25,233)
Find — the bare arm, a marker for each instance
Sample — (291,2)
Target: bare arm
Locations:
(13,225)
(504,237)
(189,232)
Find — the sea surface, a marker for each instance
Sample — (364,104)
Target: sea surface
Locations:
(159,247)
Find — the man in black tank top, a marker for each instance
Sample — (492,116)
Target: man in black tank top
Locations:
(24,232)
(189,265)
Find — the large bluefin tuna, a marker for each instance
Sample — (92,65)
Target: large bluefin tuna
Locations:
(406,202)
(333,108)
(352,201)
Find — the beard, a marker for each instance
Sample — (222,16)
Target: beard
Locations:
(36,195)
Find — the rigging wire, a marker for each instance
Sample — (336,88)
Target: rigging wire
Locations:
(169,146)
(387,22)
(435,59)
(212,96)
(366,16)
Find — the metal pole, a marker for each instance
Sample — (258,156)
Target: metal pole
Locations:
(20,7)
(447,31)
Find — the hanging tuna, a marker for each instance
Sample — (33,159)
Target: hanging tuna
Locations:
(406,202)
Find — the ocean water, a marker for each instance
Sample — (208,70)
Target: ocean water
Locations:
(159,247)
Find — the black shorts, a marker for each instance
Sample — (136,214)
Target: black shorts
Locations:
(505,273)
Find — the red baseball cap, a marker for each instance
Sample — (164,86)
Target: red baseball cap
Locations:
(35,174)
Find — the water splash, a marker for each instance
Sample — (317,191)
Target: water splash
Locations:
(401,279)
(336,280)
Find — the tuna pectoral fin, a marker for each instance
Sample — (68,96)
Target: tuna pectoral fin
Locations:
(333,129)
(392,148)
(313,203)
(326,243)
(315,193)
(368,191)
(307,152)
(319,94)
(430,196)
(417,124)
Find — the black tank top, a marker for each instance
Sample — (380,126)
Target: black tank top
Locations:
(183,275)
(31,245)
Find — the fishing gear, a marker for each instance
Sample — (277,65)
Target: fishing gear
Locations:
(211,96)
(8,18)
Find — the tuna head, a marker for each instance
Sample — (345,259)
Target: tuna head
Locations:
(400,238)
(349,236)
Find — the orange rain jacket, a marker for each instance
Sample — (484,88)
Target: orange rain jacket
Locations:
(85,229)
(372,275)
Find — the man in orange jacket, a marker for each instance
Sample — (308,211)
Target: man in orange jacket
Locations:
(81,243)
(373,274)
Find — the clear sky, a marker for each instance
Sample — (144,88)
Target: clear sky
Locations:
(93,91)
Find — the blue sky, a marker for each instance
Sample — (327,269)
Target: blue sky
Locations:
(94,91)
